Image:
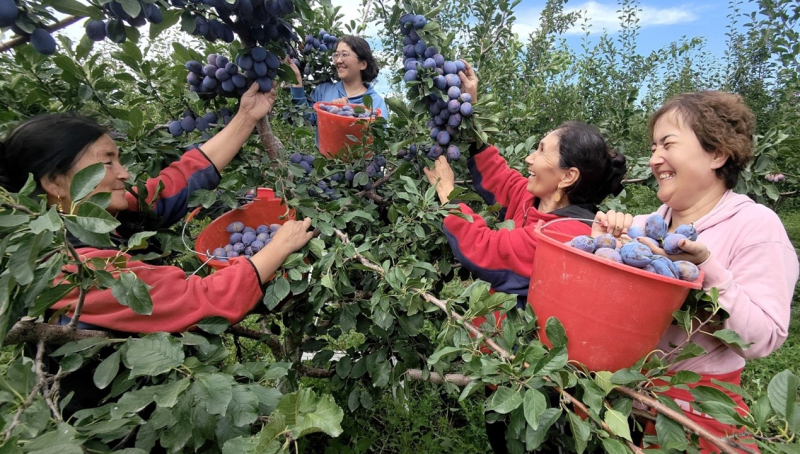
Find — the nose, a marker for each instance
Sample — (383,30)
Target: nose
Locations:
(656,157)
(122,173)
(529,158)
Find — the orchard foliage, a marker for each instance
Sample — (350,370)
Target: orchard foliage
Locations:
(364,308)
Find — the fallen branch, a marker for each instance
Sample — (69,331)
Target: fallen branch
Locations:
(28,330)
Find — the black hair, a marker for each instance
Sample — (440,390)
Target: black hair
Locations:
(364,53)
(46,146)
(601,168)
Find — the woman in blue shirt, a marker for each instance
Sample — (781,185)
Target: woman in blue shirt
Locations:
(355,68)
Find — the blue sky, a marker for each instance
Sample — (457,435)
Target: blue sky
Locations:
(662,22)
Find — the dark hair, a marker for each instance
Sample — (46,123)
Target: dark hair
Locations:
(46,146)
(364,53)
(722,122)
(601,168)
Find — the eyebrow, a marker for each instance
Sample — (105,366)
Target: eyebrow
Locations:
(664,138)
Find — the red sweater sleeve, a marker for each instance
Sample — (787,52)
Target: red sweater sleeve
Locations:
(178,303)
(504,258)
(494,180)
(191,172)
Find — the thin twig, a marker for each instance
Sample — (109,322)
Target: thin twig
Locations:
(434,377)
(266,337)
(29,401)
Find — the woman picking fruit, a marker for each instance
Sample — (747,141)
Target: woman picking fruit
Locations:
(701,143)
(55,147)
(355,68)
(570,172)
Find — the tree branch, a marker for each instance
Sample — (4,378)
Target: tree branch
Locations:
(19,40)
(268,338)
(271,143)
(433,377)
(27,330)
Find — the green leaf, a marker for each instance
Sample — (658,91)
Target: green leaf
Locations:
(90,238)
(581,430)
(761,411)
(535,437)
(214,325)
(503,401)
(49,297)
(13,220)
(691,350)
(50,221)
(683,377)
(611,446)
(731,338)
(79,346)
(132,7)
(85,180)
(782,394)
(72,7)
(603,380)
(624,376)
(152,355)
(555,332)
(326,417)
(534,404)
(95,219)
(618,423)
(202,197)
(709,394)
(670,434)
(166,396)
(131,291)
(243,407)
(106,371)
(139,240)
(214,392)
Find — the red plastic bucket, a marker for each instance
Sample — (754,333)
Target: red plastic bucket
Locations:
(613,314)
(264,209)
(334,130)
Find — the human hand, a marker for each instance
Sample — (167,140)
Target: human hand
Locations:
(611,222)
(693,251)
(442,177)
(296,70)
(469,81)
(341,101)
(255,104)
(293,235)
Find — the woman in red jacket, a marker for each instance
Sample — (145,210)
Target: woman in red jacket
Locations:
(54,147)
(571,171)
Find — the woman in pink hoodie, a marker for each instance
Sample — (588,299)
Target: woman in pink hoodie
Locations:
(701,143)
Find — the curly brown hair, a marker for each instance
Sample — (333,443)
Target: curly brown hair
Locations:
(721,121)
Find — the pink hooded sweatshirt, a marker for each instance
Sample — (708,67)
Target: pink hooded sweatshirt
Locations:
(755,268)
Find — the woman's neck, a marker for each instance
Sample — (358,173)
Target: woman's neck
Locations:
(354,87)
(549,204)
(699,209)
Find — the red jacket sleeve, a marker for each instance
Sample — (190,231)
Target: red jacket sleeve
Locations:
(178,302)
(504,258)
(181,178)
(494,180)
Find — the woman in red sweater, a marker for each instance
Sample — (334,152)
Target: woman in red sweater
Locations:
(571,171)
(54,147)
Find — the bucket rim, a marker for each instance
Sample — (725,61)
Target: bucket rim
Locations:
(542,236)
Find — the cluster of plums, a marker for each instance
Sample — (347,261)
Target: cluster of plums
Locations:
(445,102)
(638,255)
(347,111)
(245,241)
(191,122)
(775,177)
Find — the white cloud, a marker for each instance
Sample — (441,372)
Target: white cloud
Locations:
(604,16)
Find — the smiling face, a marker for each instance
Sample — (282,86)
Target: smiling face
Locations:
(348,66)
(685,172)
(102,150)
(543,167)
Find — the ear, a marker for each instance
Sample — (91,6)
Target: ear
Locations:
(57,186)
(569,178)
(362,65)
(719,159)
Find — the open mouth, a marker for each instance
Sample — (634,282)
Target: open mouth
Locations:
(666,176)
